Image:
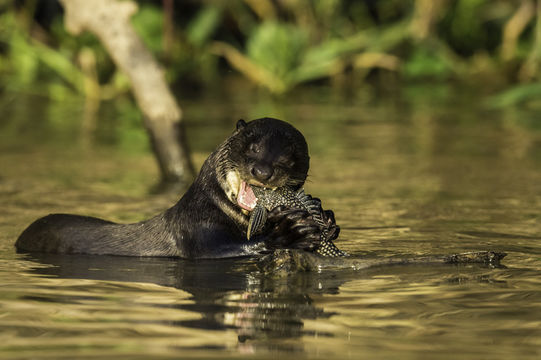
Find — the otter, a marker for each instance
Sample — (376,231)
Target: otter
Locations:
(211,219)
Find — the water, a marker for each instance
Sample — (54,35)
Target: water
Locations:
(408,176)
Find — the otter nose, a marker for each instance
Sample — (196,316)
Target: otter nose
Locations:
(261,172)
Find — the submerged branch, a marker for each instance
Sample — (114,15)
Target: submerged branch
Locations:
(286,261)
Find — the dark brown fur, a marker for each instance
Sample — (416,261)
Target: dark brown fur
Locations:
(206,222)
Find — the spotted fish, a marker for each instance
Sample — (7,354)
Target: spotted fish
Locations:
(269,199)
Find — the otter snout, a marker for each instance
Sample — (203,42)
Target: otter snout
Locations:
(261,172)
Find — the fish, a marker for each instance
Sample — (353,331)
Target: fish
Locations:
(268,199)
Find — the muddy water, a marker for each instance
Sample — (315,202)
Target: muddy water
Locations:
(405,177)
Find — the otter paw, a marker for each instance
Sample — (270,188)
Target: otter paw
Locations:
(333,229)
(292,229)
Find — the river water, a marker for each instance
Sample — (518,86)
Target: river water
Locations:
(413,175)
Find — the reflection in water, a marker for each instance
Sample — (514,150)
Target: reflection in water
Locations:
(404,177)
(228,293)
(265,313)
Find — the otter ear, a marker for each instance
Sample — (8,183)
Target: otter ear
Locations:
(241,124)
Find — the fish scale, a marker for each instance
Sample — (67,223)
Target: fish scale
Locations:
(269,199)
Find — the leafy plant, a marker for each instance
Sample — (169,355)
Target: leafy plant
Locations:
(516,95)
(278,48)
(425,63)
(203,26)
(280,56)
(148,23)
(26,61)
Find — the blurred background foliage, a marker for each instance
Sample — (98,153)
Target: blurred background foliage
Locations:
(280,45)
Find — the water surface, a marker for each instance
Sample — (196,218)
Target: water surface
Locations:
(405,177)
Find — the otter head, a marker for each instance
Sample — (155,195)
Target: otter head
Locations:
(265,152)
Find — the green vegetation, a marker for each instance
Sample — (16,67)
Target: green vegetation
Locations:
(280,45)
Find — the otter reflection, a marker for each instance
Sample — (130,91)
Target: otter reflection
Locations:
(228,293)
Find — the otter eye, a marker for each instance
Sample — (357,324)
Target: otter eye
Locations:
(285,161)
(254,148)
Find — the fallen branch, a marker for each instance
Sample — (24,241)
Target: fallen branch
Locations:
(109,20)
(284,262)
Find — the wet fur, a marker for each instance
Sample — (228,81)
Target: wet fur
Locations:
(206,222)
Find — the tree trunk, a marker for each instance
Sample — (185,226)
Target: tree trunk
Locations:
(109,20)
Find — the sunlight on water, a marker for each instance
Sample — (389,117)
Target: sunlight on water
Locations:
(403,179)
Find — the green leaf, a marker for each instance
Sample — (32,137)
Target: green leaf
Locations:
(427,63)
(148,23)
(516,95)
(203,26)
(278,48)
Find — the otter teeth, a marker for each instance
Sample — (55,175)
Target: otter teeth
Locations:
(232,186)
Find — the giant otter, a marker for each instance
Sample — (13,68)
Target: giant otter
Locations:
(211,219)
